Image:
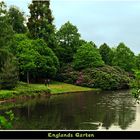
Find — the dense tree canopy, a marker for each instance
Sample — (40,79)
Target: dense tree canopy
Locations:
(17,19)
(106,54)
(38,49)
(87,56)
(35,58)
(124,57)
(68,41)
(16,40)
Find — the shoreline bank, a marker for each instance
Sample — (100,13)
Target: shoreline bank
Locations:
(24,90)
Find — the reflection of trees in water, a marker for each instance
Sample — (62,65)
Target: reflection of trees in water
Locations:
(108,119)
(77,111)
(126,115)
(124,111)
(138,108)
(122,117)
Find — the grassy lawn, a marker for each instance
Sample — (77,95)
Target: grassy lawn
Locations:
(24,89)
(58,87)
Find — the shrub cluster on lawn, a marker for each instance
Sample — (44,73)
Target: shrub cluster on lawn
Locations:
(106,77)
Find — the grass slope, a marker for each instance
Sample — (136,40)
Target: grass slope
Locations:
(24,89)
(57,88)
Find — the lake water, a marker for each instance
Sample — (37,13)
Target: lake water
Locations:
(77,111)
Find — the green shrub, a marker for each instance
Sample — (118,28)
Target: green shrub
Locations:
(67,74)
(6,121)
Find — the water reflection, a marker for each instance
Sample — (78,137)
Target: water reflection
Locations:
(77,111)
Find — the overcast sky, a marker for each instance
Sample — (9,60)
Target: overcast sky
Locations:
(110,21)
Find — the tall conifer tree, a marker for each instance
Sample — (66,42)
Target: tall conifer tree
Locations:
(40,22)
(6,31)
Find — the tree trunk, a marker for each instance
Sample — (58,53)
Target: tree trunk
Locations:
(28,81)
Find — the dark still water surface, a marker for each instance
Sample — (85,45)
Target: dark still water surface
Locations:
(77,111)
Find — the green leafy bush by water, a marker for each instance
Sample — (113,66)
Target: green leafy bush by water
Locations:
(135,84)
(6,121)
(136,94)
(107,77)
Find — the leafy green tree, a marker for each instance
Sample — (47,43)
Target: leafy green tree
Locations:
(87,56)
(8,74)
(16,41)
(106,53)
(17,19)
(6,31)
(68,41)
(124,57)
(46,61)
(35,58)
(26,58)
(40,22)
(93,44)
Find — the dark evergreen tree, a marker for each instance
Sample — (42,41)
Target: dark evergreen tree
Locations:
(4,55)
(17,20)
(8,74)
(40,22)
(6,34)
(6,31)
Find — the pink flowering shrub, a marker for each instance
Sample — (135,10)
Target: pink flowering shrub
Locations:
(107,77)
